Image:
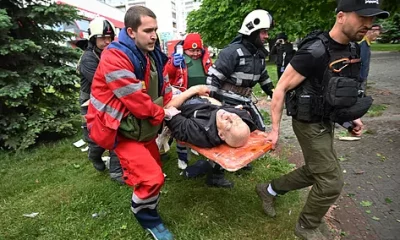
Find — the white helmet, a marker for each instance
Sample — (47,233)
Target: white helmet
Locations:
(101,27)
(257,19)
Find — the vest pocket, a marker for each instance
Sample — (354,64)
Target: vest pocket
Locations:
(342,92)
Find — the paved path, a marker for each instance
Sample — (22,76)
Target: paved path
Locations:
(372,164)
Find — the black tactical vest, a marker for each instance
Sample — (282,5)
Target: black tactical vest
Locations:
(335,97)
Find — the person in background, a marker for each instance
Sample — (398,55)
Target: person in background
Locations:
(284,53)
(365,48)
(187,67)
(101,34)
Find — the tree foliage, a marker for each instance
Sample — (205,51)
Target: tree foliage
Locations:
(219,21)
(391,27)
(38,88)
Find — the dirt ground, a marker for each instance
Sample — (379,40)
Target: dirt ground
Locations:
(369,207)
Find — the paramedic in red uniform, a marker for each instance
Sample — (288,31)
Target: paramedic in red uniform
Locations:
(126,112)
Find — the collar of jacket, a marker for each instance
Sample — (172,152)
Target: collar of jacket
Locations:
(159,57)
(249,46)
(95,49)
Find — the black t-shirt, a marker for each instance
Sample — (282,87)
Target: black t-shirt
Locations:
(311,59)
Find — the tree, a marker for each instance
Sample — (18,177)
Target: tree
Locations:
(219,21)
(391,27)
(38,87)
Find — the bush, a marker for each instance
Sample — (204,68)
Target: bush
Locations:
(38,89)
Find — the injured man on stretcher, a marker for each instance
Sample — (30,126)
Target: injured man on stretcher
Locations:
(204,122)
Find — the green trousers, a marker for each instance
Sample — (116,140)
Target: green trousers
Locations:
(321,171)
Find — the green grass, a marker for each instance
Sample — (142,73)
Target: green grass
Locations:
(376,110)
(385,47)
(58,181)
(271,68)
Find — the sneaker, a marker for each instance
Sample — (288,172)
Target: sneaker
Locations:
(267,199)
(182,164)
(308,233)
(159,232)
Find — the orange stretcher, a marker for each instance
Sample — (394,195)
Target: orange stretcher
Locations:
(233,159)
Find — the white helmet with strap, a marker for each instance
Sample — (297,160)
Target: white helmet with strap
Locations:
(101,27)
(256,20)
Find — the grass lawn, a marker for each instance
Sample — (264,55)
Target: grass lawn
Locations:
(385,47)
(57,181)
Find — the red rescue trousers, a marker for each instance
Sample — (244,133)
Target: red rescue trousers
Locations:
(141,165)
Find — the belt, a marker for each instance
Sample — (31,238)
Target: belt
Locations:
(242,91)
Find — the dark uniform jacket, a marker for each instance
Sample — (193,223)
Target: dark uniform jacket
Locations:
(87,67)
(196,124)
(279,51)
(240,64)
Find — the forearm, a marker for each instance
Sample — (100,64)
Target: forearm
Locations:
(277,108)
(178,100)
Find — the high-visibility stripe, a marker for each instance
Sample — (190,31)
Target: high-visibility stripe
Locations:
(138,200)
(240,52)
(266,82)
(140,207)
(139,204)
(115,75)
(168,89)
(102,107)
(246,76)
(216,73)
(128,89)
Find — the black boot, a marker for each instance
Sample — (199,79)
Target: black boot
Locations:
(215,178)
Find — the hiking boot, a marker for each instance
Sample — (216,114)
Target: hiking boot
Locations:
(308,233)
(267,199)
(218,180)
(159,232)
(326,230)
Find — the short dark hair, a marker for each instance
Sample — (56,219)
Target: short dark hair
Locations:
(134,14)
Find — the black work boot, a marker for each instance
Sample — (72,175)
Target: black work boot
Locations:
(95,152)
(98,165)
(215,178)
(115,168)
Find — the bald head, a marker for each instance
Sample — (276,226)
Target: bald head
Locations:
(232,129)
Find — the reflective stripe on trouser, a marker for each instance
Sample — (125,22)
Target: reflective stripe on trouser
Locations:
(141,167)
(145,210)
(321,171)
(182,152)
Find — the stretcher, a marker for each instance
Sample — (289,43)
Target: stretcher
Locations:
(233,159)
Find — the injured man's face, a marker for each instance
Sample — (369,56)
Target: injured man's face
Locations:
(232,129)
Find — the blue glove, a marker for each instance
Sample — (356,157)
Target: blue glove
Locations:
(178,60)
